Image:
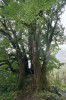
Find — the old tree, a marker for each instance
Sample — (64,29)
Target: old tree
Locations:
(28,31)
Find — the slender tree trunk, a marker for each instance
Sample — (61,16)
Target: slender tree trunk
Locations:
(36,64)
(21,73)
(44,76)
(37,72)
(44,67)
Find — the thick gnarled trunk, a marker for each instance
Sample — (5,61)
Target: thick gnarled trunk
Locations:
(34,56)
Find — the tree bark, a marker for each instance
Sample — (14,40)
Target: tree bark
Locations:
(37,72)
(44,76)
(21,73)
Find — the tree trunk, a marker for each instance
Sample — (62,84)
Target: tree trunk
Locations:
(37,72)
(44,76)
(44,66)
(34,56)
(21,73)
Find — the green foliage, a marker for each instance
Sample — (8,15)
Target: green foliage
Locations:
(8,81)
(7,95)
(53,63)
(3,54)
(11,10)
(26,10)
(15,65)
(4,44)
(8,84)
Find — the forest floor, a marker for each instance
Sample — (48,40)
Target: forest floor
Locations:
(28,93)
(31,95)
